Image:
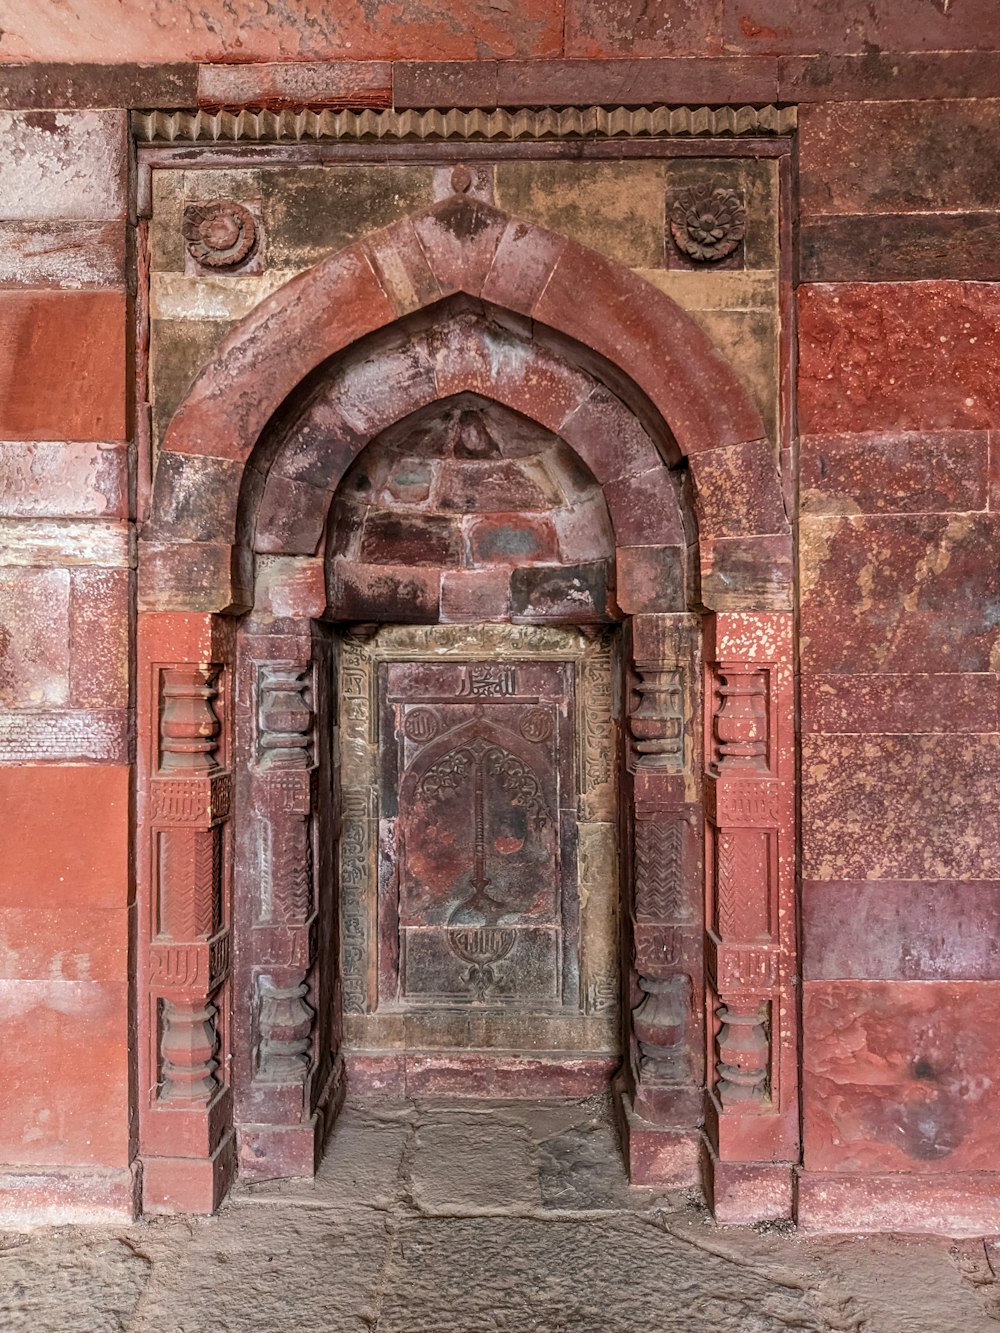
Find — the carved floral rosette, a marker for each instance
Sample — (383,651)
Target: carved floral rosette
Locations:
(707,223)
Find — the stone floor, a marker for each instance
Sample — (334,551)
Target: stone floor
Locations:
(436,1217)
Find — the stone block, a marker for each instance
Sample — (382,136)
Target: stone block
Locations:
(737,492)
(65,541)
(289,588)
(444,83)
(562,594)
(608,438)
(814,26)
(278,86)
(460,238)
(875,807)
(895,247)
(63,165)
(900,930)
(62,358)
(596,28)
(906,472)
(385,593)
(908,592)
(475,594)
(311,211)
(67,842)
(959,1204)
(468,30)
(469,487)
(910,1084)
(35,636)
(584,531)
(644,82)
(81,1028)
(613,207)
(179,349)
(52,479)
(645,509)
(394,538)
(512,539)
(650,579)
(898,157)
(68,84)
(748,339)
(399,260)
(99,631)
(195,498)
(62,254)
(898,356)
(64,735)
(64,943)
(906,704)
(888,76)
(188,576)
(743,1193)
(746,573)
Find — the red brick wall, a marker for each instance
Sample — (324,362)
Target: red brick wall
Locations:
(899,409)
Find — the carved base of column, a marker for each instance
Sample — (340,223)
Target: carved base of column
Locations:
(274,1152)
(669,1158)
(62,1196)
(188,1184)
(740,1193)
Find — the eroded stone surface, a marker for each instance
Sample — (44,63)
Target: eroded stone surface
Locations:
(362,1248)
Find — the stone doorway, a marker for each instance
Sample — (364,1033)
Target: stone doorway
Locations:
(479,937)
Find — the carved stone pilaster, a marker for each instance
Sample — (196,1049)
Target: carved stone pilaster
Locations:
(751,922)
(743,1056)
(285,1026)
(189,1041)
(661,1023)
(285,716)
(656,722)
(189,724)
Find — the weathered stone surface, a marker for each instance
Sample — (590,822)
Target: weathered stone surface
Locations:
(853,26)
(901,930)
(908,1084)
(894,247)
(643,82)
(615,207)
(898,157)
(890,75)
(455,1158)
(605,28)
(302,30)
(908,704)
(908,472)
(34,632)
(311,211)
(937,341)
(333,84)
(63,165)
(445,83)
(876,807)
(62,254)
(921,597)
(62,365)
(71,84)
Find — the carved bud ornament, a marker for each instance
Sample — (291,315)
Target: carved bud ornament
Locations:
(219,235)
(707,224)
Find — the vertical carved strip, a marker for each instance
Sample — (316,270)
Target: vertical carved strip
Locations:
(750,796)
(666,889)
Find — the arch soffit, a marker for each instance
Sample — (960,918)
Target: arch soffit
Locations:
(461,246)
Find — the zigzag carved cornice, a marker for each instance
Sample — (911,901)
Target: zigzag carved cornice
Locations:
(594,122)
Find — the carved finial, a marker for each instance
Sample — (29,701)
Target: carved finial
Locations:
(461,179)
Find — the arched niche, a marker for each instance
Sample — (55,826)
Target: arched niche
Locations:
(460,308)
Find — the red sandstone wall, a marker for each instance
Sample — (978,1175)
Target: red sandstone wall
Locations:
(899,409)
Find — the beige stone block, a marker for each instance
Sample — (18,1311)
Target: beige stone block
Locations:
(614,207)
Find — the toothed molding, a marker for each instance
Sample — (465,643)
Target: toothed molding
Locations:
(596,122)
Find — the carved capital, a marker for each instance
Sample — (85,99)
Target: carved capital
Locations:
(656,722)
(284,716)
(188,1044)
(743,1050)
(660,1022)
(741,721)
(285,1025)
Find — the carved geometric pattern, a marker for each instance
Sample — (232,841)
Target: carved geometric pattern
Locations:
(291,872)
(659,884)
(741,869)
(545,123)
(189,866)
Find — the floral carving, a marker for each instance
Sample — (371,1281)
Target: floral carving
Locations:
(707,224)
(219,235)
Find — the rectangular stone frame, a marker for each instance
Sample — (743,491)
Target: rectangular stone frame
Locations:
(598,711)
